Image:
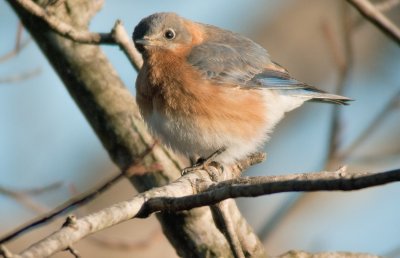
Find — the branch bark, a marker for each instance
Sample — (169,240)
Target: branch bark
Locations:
(197,189)
(371,13)
(111,111)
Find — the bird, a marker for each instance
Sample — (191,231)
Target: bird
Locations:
(211,94)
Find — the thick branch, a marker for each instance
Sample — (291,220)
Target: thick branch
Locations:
(197,189)
(370,12)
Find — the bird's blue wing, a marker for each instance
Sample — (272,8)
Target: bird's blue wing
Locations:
(227,57)
(222,63)
(235,60)
(245,67)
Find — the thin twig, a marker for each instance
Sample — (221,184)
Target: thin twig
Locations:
(371,13)
(117,36)
(63,28)
(77,201)
(122,38)
(34,191)
(44,189)
(24,199)
(25,196)
(15,51)
(19,45)
(387,5)
(343,60)
(73,251)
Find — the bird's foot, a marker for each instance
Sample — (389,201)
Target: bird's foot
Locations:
(203,164)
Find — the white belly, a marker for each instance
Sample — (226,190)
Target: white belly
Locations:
(187,137)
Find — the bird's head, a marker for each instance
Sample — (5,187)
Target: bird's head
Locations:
(161,30)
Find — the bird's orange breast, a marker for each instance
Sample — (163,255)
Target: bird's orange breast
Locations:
(174,89)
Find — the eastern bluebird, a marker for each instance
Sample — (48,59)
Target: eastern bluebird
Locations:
(202,89)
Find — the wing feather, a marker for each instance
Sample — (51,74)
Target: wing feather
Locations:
(233,59)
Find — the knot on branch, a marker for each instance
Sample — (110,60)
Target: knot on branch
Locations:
(70,222)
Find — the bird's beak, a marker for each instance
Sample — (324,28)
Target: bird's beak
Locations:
(144,41)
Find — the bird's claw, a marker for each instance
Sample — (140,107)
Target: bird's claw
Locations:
(203,164)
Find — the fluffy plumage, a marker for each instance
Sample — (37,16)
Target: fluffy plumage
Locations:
(202,88)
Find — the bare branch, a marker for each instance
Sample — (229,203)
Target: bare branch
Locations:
(256,186)
(25,196)
(63,28)
(371,13)
(118,34)
(224,223)
(197,189)
(73,251)
(19,45)
(80,200)
(343,60)
(122,38)
(34,191)
(386,5)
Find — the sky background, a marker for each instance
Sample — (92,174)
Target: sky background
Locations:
(45,139)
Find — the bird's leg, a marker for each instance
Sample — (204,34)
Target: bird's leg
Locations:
(202,164)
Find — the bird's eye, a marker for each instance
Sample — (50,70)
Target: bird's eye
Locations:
(169,34)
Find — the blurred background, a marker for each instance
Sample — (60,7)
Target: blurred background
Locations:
(48,152)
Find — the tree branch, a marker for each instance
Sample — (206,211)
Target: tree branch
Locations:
(19,45)
(371,13)
(118,34)
(74,202)
(197,189)
(222,219)
(387,5)
(64,29)
(25,196)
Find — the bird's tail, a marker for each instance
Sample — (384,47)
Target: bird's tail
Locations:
(284,84)
(310,93)
(329,98)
